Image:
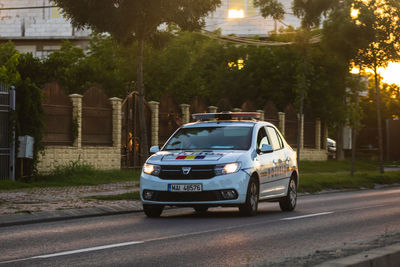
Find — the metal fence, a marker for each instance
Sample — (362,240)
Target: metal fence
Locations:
(7,143)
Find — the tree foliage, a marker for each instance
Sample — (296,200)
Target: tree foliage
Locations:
(270,8)
(127,20)
(26,74)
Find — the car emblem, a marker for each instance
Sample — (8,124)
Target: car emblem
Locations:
(186,170)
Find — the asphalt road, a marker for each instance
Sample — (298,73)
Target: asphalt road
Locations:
(219,238)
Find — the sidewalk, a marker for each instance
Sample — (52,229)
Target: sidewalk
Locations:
(57,203)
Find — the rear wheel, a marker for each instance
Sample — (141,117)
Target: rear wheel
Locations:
(250,207)
(288,203)
(153,211)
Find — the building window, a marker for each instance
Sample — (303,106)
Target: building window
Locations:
(55,13)
(241,9)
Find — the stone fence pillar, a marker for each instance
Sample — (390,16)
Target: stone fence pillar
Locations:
(324,137)
(318,134)
(281,118)
(212,109)
(301,131)
(185,108)
(261,114)
(116,121)
(154,107)
(76,100)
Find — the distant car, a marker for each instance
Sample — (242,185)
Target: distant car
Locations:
(331,147)
(231,160)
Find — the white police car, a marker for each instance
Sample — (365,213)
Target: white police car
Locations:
(230,160)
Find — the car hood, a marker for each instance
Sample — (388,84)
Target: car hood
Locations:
(195,157)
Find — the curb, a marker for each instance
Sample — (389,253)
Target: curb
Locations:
(385,256)
(59,215)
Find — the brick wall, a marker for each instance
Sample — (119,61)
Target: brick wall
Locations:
(103,158)
(313,154)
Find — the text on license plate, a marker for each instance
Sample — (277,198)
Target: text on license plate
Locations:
(185,187)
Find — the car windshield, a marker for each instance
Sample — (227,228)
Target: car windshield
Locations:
(231,138)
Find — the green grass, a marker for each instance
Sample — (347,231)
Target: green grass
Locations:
(125,196)
(317,176)
(337,166)
(314,177)
(74,175)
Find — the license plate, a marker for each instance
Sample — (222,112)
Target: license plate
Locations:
(185,187)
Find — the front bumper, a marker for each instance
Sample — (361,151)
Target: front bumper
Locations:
(210,195)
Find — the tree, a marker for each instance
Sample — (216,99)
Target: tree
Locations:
(271,8)
(310,12)
(381,17)
(129,20)
(26,74)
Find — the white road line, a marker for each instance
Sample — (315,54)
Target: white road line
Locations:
(87,249)
(307,216)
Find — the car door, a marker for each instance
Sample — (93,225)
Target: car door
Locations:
(278,180)
(264,163)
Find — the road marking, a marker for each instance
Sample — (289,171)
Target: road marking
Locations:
(306,216)
(87,249)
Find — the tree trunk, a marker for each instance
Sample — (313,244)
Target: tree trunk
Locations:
(298,150)
(143,146)
(353,139)
(339,142)
(379,119)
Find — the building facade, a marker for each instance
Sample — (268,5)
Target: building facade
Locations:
(38,27)
(241,18)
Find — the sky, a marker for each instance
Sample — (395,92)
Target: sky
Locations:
(391,74)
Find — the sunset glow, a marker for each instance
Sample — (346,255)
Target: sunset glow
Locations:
(391,74)
(235,14)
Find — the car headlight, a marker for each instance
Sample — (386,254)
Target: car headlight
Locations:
(151,169)
(227,168)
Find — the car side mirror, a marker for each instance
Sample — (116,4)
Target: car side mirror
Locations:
(266,149)
(154,149)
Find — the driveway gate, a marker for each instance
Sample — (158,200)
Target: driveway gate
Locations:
(7,143)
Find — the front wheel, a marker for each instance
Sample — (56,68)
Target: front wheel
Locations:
(249,208)
(153,211)
(288,203)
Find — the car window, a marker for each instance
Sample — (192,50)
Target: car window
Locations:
(262,138)
(216,138)
(275,139)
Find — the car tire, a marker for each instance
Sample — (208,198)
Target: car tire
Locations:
(249,208)
(153,211)
(201,209)
(288,203)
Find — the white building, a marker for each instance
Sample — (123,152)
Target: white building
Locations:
(241,18)
(38,27)
(35,26)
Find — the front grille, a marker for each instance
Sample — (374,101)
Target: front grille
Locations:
(199,172)
(163,196)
